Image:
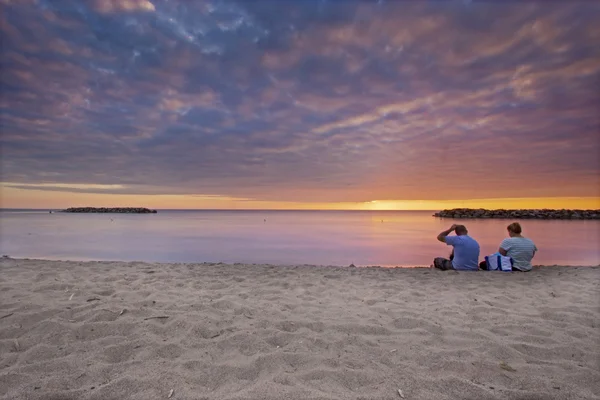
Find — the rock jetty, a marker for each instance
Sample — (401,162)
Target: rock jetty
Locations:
(518,214)
(123,210)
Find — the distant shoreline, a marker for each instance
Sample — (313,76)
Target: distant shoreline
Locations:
(456,213)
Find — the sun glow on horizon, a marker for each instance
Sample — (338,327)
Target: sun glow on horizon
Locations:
(506,203)
(11,197)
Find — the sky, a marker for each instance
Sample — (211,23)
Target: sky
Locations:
(299,104)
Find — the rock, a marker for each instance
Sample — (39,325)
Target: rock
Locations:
(126,210)
(460,213)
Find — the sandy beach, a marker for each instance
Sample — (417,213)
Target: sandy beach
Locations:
(113,330)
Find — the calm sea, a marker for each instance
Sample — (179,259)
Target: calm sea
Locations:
(385,238)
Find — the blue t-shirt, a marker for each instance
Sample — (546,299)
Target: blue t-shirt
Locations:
(466,252)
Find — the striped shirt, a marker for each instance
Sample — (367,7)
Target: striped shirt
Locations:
(521,250)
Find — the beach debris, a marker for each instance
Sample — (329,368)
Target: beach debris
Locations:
(93,299)
(123,311)
(171,393)
(400,393)
(393,350)
(7,315)
(507,367)
(71,297)
(552,294)
(157,317)
(17,347)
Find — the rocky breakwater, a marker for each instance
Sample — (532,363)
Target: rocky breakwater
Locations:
(518,214)
(118,210)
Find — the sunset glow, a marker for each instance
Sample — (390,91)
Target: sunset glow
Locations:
(38,199)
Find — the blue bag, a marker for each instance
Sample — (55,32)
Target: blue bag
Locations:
(498,262)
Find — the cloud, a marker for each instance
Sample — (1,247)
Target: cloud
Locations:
(301,101)
(108,6)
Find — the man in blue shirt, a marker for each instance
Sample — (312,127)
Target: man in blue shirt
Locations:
(465,252)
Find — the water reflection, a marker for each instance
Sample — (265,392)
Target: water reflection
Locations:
(305,237)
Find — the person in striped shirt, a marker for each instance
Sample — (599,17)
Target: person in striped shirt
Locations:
(519,248)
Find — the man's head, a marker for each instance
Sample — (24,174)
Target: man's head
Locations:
(514,229)
(460,230)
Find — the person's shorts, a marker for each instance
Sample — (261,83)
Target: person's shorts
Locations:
(442,263)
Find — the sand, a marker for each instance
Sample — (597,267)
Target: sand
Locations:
(73,330)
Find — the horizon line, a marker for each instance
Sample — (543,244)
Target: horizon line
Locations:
(296,209)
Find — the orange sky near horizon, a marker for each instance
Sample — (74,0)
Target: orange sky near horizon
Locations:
(43,199)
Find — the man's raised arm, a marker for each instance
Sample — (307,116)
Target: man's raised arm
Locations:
(442,236)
